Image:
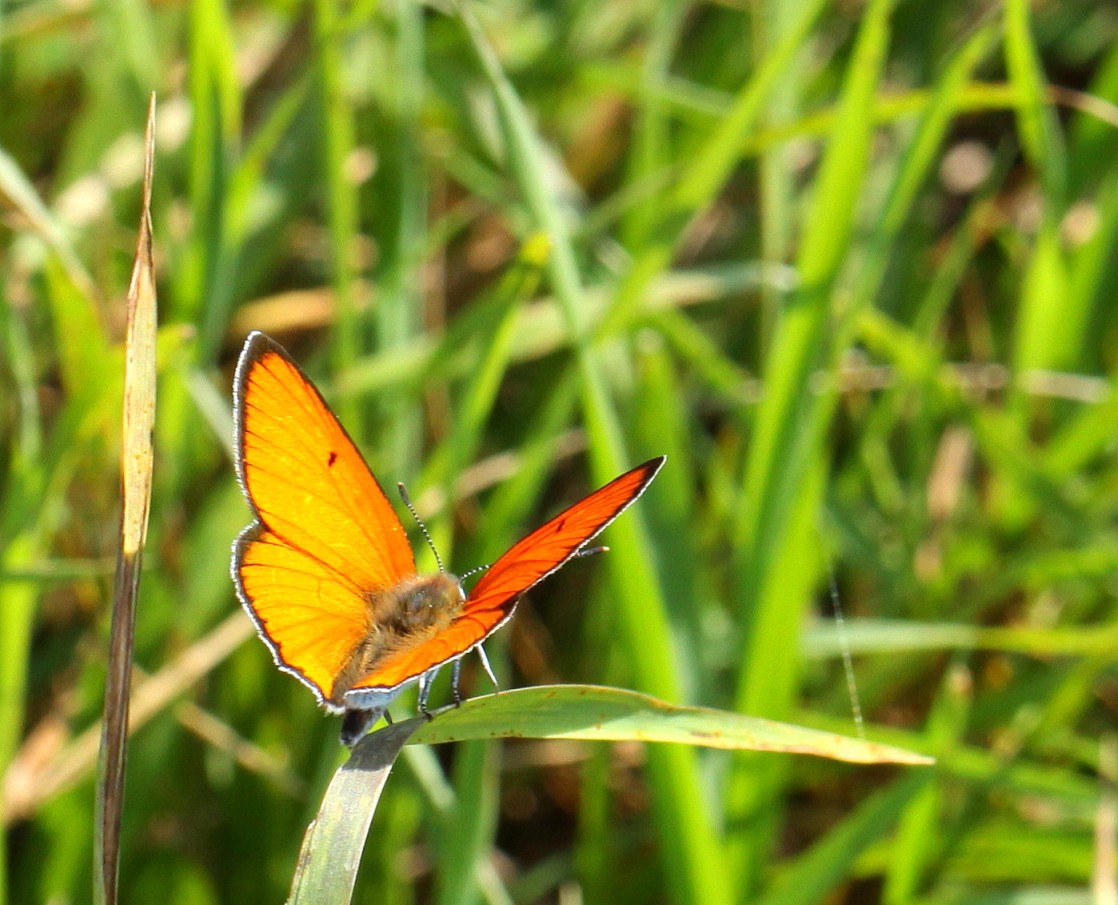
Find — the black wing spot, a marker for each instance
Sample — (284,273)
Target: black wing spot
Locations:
(331,459)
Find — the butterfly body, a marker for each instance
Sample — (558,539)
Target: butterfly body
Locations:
(325,570)
(410,613)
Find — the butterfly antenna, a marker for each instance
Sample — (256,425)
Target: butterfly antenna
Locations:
(474,571)
(422,527)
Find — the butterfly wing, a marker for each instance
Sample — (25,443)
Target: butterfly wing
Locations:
(492,600)
(325,535)
(309,616)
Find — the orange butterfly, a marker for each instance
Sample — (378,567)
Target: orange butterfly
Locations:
(326,572)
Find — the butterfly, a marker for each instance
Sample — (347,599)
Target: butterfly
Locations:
(325,570)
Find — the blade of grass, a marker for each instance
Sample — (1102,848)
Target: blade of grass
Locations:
(596,845)
(1039,130)
(136,477)
(920,157)
(84,346)
(660,425)
(1051,324)
(466,832)
(18,601)
(332,847)
(341,197)
(870,636)
(652,125)
(508,504)
(499,329)
(400,228)
(203,285)
(919,840)
(131,22)
(774,20)
(597,713)
(429,774)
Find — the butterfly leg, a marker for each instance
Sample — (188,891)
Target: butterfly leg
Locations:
(455,676)
(425,682)
(488,669)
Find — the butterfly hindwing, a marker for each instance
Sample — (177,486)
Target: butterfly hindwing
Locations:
(310,617)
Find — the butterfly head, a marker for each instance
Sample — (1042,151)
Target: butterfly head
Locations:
(425,602)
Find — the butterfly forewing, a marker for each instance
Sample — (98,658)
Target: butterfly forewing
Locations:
(544,550)
(527,562)
(306,480)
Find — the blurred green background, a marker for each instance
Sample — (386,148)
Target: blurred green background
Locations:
(850,265)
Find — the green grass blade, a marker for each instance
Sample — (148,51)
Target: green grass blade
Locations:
(1052,323)
(920,157)
(400,229)
(920,839)
(710,167)
(465,834)
(22,544)
(332,847)
(595,713)
(1035,118)
(203,289)
(19,192)
(338,141)
(865,636)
